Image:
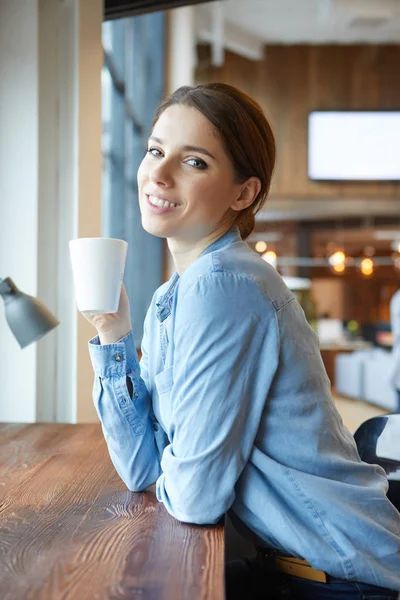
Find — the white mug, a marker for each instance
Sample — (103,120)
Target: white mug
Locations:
(98,266)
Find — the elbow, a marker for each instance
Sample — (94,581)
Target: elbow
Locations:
(201,518)
(197,515)
(196,509)
(138,480)
(134,487)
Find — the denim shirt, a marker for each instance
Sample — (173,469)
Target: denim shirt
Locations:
(231,410)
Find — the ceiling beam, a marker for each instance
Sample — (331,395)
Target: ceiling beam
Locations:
(116,9)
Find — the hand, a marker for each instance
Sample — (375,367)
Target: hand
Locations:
(113,326)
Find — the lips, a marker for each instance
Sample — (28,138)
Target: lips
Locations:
(160,205)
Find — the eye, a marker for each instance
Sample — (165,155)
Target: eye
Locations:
(154,152)
(197,163)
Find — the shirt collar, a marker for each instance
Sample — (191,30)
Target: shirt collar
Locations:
(164,302)
(231,236)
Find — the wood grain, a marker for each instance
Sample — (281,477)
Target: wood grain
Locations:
(70,529)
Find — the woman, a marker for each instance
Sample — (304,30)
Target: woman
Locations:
(230,408)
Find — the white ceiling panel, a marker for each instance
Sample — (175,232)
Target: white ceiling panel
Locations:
(315,21)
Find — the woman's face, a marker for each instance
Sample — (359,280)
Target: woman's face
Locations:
(186,180)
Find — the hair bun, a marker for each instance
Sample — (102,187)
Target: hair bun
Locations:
(246,222)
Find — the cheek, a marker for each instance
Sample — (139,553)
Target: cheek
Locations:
(142,172)
(212,191)
(206,187)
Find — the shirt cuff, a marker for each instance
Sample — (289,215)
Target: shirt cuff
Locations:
(114,360)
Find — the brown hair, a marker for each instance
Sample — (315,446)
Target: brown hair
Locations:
(245,132)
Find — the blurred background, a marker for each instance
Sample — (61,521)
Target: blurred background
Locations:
(80,82)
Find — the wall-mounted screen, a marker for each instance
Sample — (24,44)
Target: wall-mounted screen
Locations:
(354,145)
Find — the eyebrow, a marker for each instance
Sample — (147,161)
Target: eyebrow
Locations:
(187,148)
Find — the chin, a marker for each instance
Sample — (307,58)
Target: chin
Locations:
(155,228)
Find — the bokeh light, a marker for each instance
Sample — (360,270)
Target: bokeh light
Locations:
(261,246)
(367,267)
(339,268)
(270,257)
(337,257)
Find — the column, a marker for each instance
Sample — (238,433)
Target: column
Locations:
(50,184)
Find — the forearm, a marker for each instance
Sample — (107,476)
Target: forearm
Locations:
(125,414)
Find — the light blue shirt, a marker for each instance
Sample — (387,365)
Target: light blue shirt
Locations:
(232,410)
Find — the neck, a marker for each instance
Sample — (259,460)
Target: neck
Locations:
(186,251)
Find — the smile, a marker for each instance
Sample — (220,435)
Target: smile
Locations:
(160,202)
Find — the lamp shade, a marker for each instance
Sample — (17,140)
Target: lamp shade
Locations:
(27,317)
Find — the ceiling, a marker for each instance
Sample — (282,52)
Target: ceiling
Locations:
(314,21)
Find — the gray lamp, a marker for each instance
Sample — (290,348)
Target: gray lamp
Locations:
(27,317)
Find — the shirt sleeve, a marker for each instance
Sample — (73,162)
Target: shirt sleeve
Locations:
(126,422)
(226,355)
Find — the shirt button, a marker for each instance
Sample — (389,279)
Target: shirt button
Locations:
(118,357)
(136,395)
(156,426)
(138,430)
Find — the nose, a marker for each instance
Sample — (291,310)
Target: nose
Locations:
(161,173)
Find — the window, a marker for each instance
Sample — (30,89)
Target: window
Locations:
(132,87)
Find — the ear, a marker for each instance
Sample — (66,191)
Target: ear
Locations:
(249,191)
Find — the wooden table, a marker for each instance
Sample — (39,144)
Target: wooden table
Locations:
(69,529)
